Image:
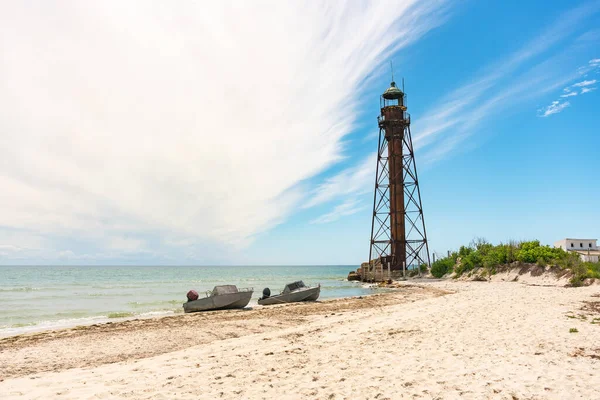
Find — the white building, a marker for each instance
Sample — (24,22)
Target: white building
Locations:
(586,248)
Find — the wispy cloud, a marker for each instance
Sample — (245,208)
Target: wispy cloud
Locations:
(570,94)
(557,106)
(348,207)
(351,181)
(518,77)
(584,83)
(192,121)
(515,78)
(587,90)
(553,108)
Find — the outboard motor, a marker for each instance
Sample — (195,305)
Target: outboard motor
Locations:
(266,293)
(192,295)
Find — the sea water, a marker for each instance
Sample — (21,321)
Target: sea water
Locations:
(34,298)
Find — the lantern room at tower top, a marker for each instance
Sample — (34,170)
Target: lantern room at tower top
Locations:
(393,105)
(393,93)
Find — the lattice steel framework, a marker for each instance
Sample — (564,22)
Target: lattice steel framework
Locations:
(398,233)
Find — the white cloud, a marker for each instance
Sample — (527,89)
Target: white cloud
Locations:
(449,123)
(553,108)
(501,85)
(348,207)
(439,131)
(587,90)
(10,251)
(126,244)
(350,181)
(67,254)
(188,119)
(584,83)
(557,106)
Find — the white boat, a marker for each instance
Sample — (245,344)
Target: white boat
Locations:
(222,297)
(293,292)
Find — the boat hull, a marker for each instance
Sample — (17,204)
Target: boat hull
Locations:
(308,294)
(219,302)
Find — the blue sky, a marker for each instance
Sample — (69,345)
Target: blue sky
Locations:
(169,134)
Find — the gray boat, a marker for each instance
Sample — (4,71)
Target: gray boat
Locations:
(222,297)
(293,292)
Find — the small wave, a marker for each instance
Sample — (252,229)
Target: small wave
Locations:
(72,314)
(123,286)
(107,294)
(159,313)
(137,304)
(23,325)
(120,314)
(20,328)
(369,286)
(20,289)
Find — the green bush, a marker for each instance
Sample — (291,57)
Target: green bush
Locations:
(568,260)
(584,270)
(482,246)
(468,263)
(464,251)
(497,255)
(532,252)
(593,270)
(541,262)
(480,253)
(442,266)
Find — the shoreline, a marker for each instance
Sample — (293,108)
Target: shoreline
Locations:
(191,326)
(100,321)
(43,298)
(67,323)
(510,275)
(47,326)
(443,339)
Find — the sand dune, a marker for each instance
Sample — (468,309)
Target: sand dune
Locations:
(446,340)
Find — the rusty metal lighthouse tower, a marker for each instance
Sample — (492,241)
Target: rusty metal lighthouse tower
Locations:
(398,236)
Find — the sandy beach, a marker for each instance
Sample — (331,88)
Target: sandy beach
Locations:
(434,340)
